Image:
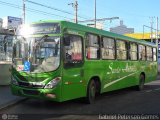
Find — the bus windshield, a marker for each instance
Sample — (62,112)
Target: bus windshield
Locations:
(41,28)
(36,54)
(46,28)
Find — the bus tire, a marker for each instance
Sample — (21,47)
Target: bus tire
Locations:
(91,92)
(141,82)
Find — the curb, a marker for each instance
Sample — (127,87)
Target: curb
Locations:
(3,106)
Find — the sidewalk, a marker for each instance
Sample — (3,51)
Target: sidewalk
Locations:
(6,97)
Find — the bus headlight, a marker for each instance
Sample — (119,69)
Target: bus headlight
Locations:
(53,83)
(14,81)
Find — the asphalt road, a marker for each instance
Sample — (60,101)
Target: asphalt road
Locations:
(126,101)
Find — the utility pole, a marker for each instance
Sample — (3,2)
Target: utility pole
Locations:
(76,11)
(24,13)
(95,13)
(152,28)
(157,36)
(75,6)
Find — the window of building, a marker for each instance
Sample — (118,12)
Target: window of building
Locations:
(154,54)
(93,48)
(121,50)
(149,53)
(133,51)
(108,48)
(6,47)
(142,52)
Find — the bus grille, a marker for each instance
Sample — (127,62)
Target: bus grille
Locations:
(31,92)
(25,84)
(30,78)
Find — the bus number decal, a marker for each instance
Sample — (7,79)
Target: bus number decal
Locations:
(127,68)
(20,67)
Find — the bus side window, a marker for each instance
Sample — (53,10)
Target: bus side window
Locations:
(93,47)
(149,53)
(133,51)
(121,47)
(73,49)
(142,52)
(108,48)
(154,54)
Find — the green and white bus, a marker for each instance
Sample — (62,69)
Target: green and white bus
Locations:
(60,60)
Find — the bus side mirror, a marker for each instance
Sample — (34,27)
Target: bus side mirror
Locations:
(67,41)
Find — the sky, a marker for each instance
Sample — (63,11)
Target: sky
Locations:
(134,13)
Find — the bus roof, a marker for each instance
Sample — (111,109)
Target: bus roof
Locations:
(74,26)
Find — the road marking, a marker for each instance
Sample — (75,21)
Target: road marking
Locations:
(149,90)
(157,89)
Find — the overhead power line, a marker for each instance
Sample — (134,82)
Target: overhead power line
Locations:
(53,8)
(48,7)
(32,10)
(103,19)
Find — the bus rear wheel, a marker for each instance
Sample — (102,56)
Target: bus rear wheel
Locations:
(91,92)
(141,82)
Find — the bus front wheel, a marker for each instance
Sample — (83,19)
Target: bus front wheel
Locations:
(91,92)
(141,82)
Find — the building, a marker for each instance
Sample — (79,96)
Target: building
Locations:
(145,36)
(1,22)
(98,25)
(122,29)
(6,41)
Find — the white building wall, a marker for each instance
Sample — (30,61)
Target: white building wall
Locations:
(1,22)
(122,29)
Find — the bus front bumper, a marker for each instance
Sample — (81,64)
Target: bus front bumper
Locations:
(38,93)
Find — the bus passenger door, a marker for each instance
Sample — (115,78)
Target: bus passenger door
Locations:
(73,84)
